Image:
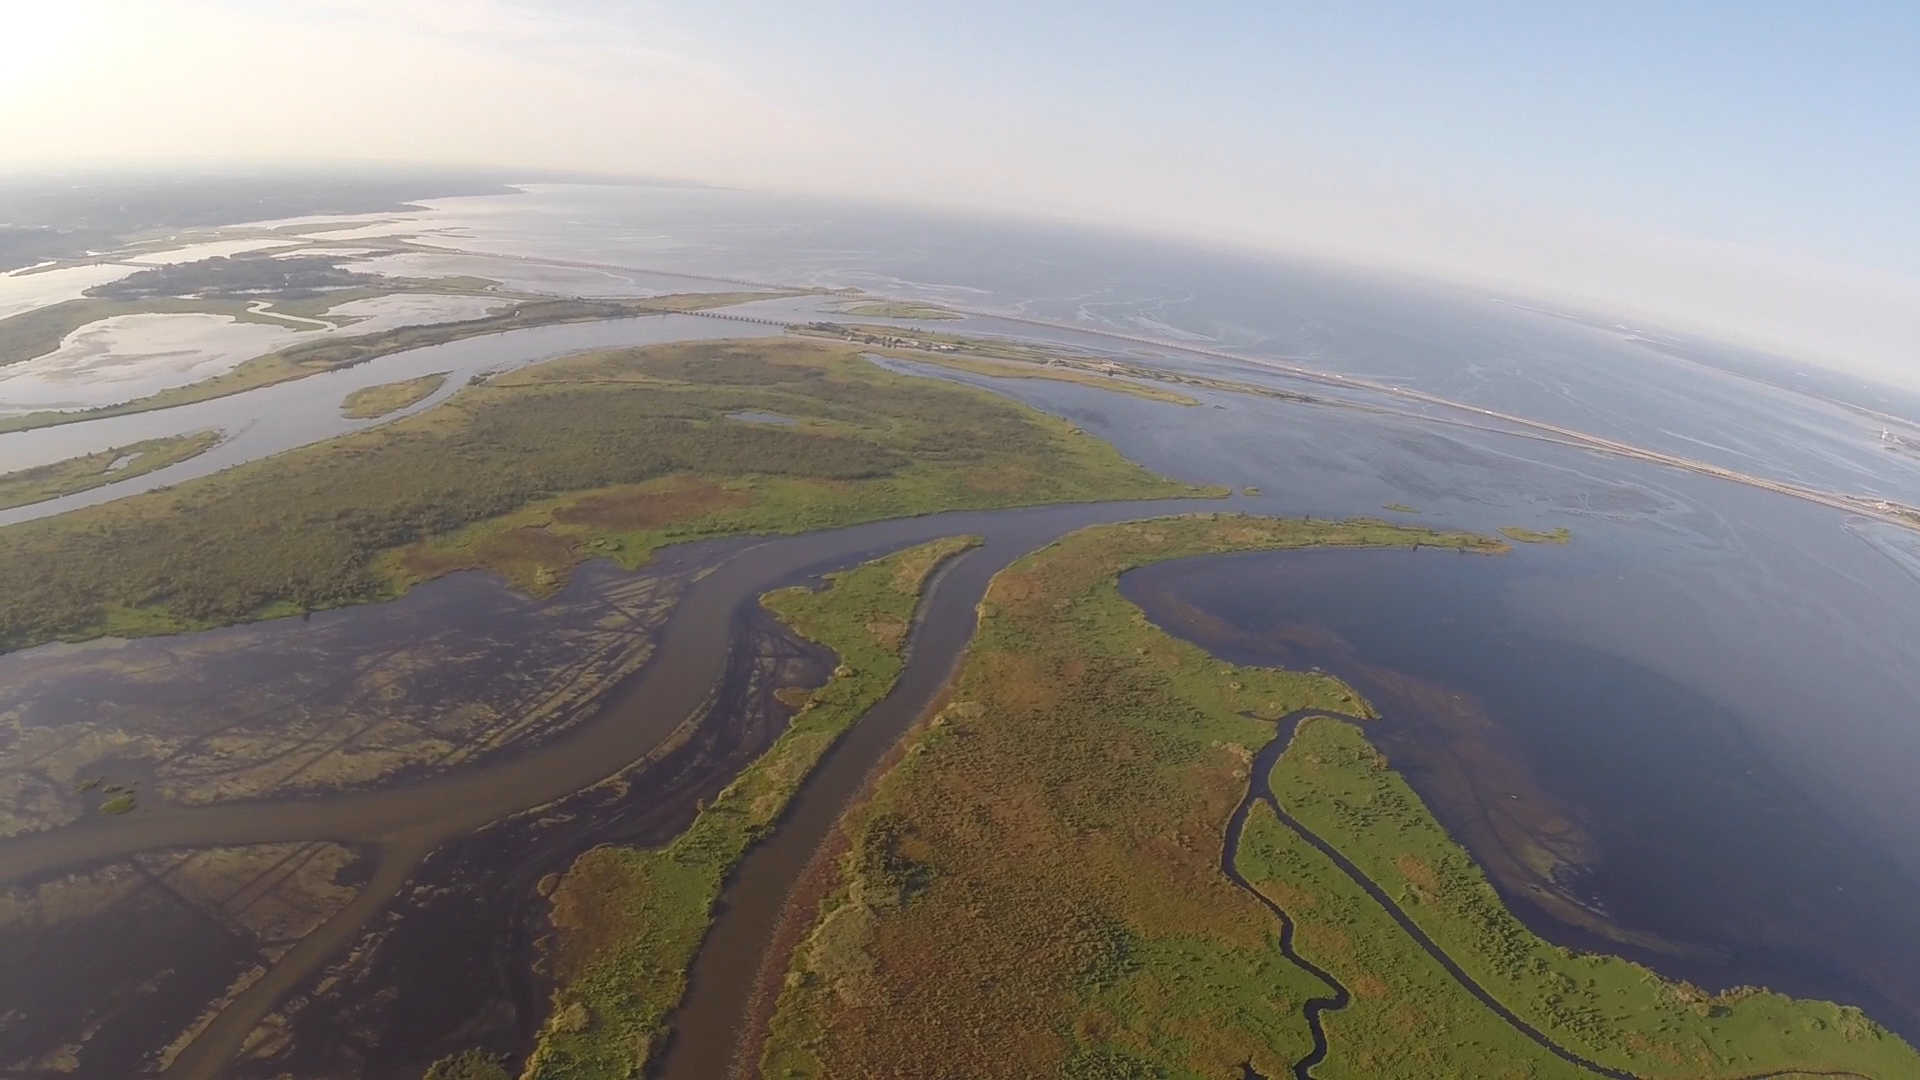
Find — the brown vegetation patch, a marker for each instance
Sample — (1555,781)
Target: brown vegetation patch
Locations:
(1290,897)
(1368,986)
(793,696)
(649,506)
(1416,871)
(1322,940)
(1023,684)
(526,544)
(1408,1020)
(887,633)
(589,912)
(912,570)
(419,562)
(528,556)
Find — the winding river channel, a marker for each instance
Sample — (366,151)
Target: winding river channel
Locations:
(1260,790)
(403,824)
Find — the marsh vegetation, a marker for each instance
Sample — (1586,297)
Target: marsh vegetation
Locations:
(35,332)
(373,402)
(627,922)
(1053,834)
(1517,534)
(1045,865)
(1607,1010)
(253,274)
(898,309)
(605,454)
(89,471)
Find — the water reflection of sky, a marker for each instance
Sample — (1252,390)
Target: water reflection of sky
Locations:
(1775,607)
(289,414)
(1786,636)
(26,289)
(129,356)
(1600,379)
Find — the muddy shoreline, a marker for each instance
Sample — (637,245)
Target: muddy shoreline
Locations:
(458,961)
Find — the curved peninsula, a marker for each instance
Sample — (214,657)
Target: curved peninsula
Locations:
(1045,863)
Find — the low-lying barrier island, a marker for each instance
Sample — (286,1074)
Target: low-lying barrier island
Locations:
(1520,535)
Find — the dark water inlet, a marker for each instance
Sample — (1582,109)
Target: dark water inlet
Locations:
(1696,853)
(712,1030)
(1260,789)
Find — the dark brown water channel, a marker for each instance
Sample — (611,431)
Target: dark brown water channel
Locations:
(636,755)
(1616,808)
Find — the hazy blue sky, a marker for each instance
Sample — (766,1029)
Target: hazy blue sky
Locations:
(1746,168)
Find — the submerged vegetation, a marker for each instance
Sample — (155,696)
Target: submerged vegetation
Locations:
(373,402)
(604,454)
(89,471)
(1560,535)
(627,921)
(1048,895)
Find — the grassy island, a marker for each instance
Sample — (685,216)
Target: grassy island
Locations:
(373,402)
(627,921)
(898,309)
(332,353)
(1037,888)
(1517,534)
(609,453)
(89,471)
